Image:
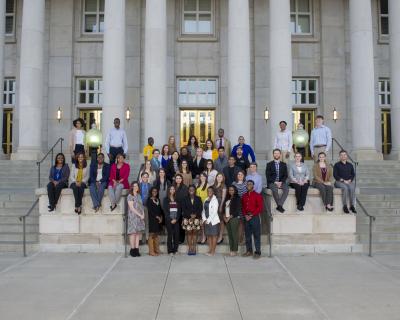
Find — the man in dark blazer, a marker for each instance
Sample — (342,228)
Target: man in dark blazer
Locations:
(230,171)
(277,174)
(98,182)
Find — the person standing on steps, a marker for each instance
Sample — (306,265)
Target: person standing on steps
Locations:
(252,206)
(59,175)
(211,220)
(232,216)
(135,218)
(155,219)
(277,174)
(344,174)
(247,150)
(116,142)
(283,141)
(321,138)
(77,138)
(148,149)
(172,212)
(222,141)
(191,209)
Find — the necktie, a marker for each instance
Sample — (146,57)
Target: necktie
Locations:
(220,143)
(277,170)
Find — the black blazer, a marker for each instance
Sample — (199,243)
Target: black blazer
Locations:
(105,172)
(242,163)
(181,193)
(170,171)
(188,208)
(270,172)
(197,169)
(235,207)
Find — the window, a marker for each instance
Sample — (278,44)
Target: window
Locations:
(197,17)
(93,16)
(90,92)
(305,92)
(383,17)
(10,17)
(9,92)
(301,17)
(384,92)
(197,91)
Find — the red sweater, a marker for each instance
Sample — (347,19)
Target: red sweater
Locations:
(123,174)
(252,202)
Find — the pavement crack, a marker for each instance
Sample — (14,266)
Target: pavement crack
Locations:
(233,288)
(163,290)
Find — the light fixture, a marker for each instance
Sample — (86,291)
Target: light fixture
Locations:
(59,114)
(128,114)
(335,114)
(266,114)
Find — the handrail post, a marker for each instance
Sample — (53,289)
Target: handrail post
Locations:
(370,237)
(126,234)
(24,234)
(61,144)
(38,174)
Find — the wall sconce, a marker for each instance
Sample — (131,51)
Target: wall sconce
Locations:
(335,114)
(59,114)
(266,114)
(128,114)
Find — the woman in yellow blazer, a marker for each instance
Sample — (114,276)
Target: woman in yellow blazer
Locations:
(323,180)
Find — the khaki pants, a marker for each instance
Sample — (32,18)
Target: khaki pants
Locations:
(317,150)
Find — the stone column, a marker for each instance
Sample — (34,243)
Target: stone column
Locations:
(239,70)
(155,72)
(2,45)
(113,65)
(280,49)
(362,81)
(30,97)
(394,32)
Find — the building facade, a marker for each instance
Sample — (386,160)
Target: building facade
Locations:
(185,67)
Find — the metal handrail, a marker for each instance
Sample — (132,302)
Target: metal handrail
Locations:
(51,151)
(126,233)
(270,219)
(23,219)
(371,220)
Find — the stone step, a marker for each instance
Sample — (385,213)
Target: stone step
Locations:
(384,247)
(14,219)
(17,236)
(18,228)
(16,204)
(380,237)
(17,211)
(16,246)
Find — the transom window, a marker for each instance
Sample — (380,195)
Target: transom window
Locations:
(10,17)
(384,92)
(90,92)
(9,92)
(197,91)
(384,17)
(197,16)
(305,91)
(301,16)
(93,16)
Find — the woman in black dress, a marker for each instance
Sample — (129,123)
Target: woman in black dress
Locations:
(172,212)
(191,210)
(155,213)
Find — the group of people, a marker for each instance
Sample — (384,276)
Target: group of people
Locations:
(196,193)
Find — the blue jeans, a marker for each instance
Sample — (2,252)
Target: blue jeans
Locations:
(97,193)
(253,228)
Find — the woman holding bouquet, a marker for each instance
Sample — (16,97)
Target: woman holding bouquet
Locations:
(192,208)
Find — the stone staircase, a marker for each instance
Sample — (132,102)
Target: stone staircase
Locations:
(379,187)
(18,180)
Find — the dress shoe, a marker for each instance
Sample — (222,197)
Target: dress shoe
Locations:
(352,209)
(345,209)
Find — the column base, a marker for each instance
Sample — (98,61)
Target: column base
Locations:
(32,154)
(367,154)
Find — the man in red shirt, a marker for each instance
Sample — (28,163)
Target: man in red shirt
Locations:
(252,206)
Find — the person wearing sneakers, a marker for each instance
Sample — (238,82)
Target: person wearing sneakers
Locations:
(155,219)
(344,174)
(252,206)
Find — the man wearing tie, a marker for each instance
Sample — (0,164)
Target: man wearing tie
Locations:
(116,141)
(155,160)
(221,141)
(277,175)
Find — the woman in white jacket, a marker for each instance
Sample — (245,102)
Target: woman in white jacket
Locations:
(211,220)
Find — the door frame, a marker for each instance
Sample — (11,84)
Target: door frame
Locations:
(8,119)
(312,123)
(386,118)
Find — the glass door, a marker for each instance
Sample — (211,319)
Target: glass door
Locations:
(7,131)
(306,117)
(386,131)
(91,116)
(200,123)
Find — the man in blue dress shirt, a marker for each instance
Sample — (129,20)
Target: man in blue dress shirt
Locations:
(321,138)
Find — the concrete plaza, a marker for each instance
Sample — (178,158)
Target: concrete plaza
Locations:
(108,286)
